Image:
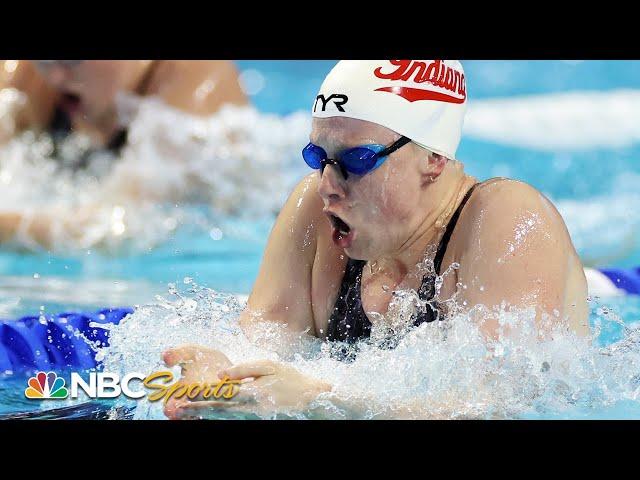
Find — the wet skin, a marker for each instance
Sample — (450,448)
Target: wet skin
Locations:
(511,243)
(396,212)
(87,92)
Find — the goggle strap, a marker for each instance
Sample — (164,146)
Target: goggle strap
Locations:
(401,142)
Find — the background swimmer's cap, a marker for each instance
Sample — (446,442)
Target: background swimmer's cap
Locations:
(424,100)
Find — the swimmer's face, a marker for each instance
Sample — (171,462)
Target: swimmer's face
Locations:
(88,88)
(379,208)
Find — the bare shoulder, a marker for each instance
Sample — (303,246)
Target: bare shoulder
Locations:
(304,200)
(515,248)
(505,192)
(505,219)
(24,76)
(197,86)
(282,290)
(500,204)
(293,239)
(302,212)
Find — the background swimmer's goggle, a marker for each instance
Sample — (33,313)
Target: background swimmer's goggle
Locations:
(357,160)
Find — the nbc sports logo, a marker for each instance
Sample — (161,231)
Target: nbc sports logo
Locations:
(109,385)
(46,385)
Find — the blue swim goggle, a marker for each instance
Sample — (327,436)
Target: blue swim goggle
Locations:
(357,160)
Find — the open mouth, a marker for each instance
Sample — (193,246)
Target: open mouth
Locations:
(70,102)
(342,233)
(340,225)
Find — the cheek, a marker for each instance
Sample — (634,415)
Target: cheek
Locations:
(393,194)
(100,98)
(100,80)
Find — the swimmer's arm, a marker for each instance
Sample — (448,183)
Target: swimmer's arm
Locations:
(199,87)
(36,112)
(282,290)
(268,386)
(518,253)
(35,226)
(38,228)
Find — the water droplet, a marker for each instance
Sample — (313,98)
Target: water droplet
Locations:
(216,234)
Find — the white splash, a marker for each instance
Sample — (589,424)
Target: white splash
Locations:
(603,228)
(236,162)
(577,121)
(444,369)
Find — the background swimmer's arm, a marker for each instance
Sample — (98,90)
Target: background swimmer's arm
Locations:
(40,228)
(37,109)
(282,291)
(35,226)
(518,250)
(198,87)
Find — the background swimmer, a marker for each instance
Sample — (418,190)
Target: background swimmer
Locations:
(86,91)
(88,99)
(508,246)
(593,185)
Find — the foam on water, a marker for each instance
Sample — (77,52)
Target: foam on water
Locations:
(604,228)
(445,369)
(242,164)
(239,162)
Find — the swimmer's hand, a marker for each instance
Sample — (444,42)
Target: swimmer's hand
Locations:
(266,388)
(199,364)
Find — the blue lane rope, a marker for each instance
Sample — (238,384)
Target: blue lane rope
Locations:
(55,341)
(63,341)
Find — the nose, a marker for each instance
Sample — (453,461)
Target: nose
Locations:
(332,184)
(56,75)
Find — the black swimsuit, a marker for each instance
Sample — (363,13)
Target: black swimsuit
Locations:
(60,128)
(349,323)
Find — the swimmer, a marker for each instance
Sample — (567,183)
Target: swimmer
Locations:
(82,93)
(387,190)
(80,96)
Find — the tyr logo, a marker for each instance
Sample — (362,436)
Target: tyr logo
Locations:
(338,100)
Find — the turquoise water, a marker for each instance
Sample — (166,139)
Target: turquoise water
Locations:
(231,262)
(594,187)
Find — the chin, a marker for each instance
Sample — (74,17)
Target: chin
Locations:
(351,254)
(356,252)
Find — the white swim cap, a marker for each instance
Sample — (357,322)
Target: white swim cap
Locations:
(424,100)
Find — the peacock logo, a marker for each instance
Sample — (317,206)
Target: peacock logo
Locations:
(46,385)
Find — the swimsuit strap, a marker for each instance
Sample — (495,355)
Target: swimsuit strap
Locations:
(349,322)
(444,242)
(148,76)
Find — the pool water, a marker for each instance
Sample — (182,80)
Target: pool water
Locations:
(586,164)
